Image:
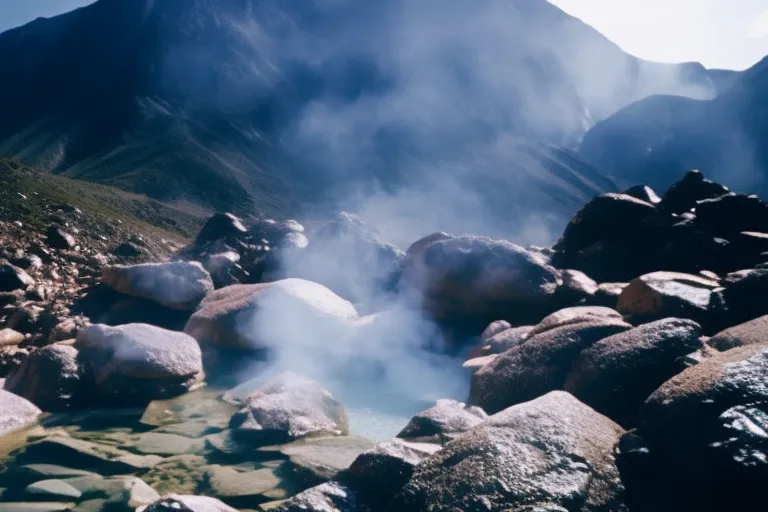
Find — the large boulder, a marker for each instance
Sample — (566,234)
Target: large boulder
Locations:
(505,340)
(667,294)
(493,329)
(554,453)
(615,375)
(739,294)
(180,285)
(13,278)
(443,421)
(16,412)
(683,195)
(538,366)
(704,433)
(574,315)
(260,316)
(479,278)
(286,408)
(138,362)
(577,288)
(753,332)
(732,213)
(49,378)
(221,225)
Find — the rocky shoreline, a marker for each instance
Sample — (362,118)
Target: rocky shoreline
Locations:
(625,368)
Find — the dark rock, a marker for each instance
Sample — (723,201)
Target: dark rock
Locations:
(615,375)
(574,315)
(137,363)
(692,251)
(750,333)
(224,269)
(608,294)
(49,378)
(732,213)
(667,294)
(443,421)
(381,473)
(289,407)
(538,366)
(475,278)
(179,503)
(643,193)
(683,195)
(221,225)
(13,278)
(739,297)
(15,412)
(128,250)
(177,285)
(553,451)
(327,497)
(577,288)
(60,239)
(705,431)
(25,319)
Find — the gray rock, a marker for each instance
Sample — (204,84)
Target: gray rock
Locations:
(505,340)
(317,460)
(574,315)
(245,488)
(138,362)
(289,407)
(49,378)
(46,471)
(178,285)
(156,443)
(13,278)
(493,329)
(51,490)
(749,333)
(577,287)
(552,451)
(36,507)
(184,503)
(220,319)
(615,375)
(443,421)
(125,492)
(473,365)
(16,412)
(538,366)
(327,497)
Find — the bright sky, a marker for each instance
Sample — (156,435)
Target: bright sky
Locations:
(719,33)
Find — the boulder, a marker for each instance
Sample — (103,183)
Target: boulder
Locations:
(10,338)
(180,285)
(179,503)
(577,288)
(731,214)
(128,250)
(643,193)
(221,225)
(138,363)
(379,474)
(327,497)
(289,407)
(753,332)
(16,412)
(480,279)
(551,452)
(683,195)
(258,317)
(505,340)
(473,365)
(667,294)
(243,488)
(615,375)
(538,366)
(493,329)
(608,294)
(51,490)
(693,250)
(313,461)
(444,421)
(13,278)
(59,239)
(574,315)
(49,378)
(739,297)
(416,249)
(705,435)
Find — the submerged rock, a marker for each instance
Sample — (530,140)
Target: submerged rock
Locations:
(317,460)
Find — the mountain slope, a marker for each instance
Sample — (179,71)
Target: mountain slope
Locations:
(656,139)
(277,106)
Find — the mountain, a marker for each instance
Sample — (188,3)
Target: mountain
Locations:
(654,140)
(279,106)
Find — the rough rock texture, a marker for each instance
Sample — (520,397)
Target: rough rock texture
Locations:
(475,277)
(538,366)
(289,407)
(221,225)
(313,461)
(705,432)
(327,497)
(505,340)
(379,474)
(13,278)
(574,315)
(493,329)
(553,451)
(16,412)
(231,317)
(683,195)
(615,375)
(138,362)
(739,297)
(49,378)
(577,288)
(179,285)
(749,333)
(443,421)
(184,503)
(667,294)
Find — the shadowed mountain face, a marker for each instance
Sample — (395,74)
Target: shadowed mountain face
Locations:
(272,105)
(656,139)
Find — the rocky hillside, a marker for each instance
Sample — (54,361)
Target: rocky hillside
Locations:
(657,138)
(624,369)
(275,107)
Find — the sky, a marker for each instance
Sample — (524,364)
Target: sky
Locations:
(731,34)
